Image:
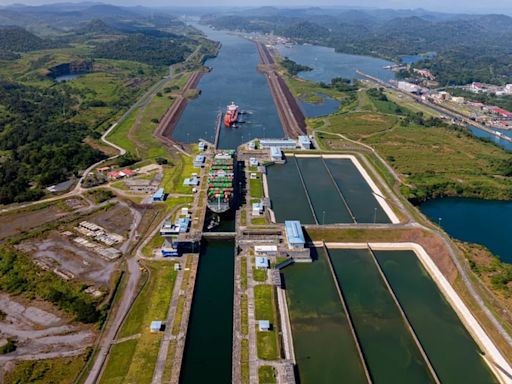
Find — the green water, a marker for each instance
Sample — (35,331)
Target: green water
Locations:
(325,198)
(208,348)
(356,191)
(289,200)
(390,351)
(324,347)
(452,351)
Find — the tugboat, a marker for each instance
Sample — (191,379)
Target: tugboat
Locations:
(231,116)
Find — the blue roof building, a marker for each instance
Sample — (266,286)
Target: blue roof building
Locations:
(199,160)
(275,153)
(183,224)
(262,262)
(278,143)
(294,234)
(304,142)
(264,325)
(156,326)
(159,195)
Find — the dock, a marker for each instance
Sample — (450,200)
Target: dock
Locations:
(217,130)
(290,114)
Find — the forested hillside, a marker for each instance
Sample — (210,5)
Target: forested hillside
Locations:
(145,49)
(469,47)
(40,145)
(17,39)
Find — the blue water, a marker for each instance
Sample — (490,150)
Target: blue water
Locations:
(328,64)
(485,222)
(328,106)
(507,145)
(411,59)
(234,77)
(72,76)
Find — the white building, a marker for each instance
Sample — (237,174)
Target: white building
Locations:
(304,142)
(257,209)
(275,154)
(265,250)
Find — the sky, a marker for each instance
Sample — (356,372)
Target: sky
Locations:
(461,6)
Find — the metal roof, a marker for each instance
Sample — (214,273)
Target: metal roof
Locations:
(294,232)
(159,193)
(262,262)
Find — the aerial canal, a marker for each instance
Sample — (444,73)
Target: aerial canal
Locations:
(233,78)
(390,322)
(317,190)
(207,356)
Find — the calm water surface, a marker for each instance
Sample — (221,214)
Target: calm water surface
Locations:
(328,64)
(207,356)
(233,78)
(484,222)
(328,106)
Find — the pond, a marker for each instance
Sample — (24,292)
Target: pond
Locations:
(485,222)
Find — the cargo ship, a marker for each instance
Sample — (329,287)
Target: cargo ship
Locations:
(221,182)
(231,116)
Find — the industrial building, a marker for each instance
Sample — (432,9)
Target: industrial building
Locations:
(294,234)
(262,262)
(265,250)
(264,325)
(276,154)
(191,181)
(278,143)
(156,326)
(304,142)
(159,195)
(257,208)
(199,161)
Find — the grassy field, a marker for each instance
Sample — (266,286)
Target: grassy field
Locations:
(265,309)
(267,375)
(259,274)
(434,161)
(244,361)
(256,187)
(60,370)
(133,361)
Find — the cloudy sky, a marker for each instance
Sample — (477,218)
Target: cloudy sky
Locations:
(469,6)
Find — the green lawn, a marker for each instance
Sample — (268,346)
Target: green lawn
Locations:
(267,375)
(61,370)
(244,361)
(265,309)
(360,124)
(256,187)
(133,361)
(259,274)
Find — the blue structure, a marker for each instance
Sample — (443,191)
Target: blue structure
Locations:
(183,224)
(198,161)
(264,325)
(275,153)
(159,195)
(156,326)
(262,262)
(304,142)
(294,234)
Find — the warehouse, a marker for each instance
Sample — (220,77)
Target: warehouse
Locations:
(294,234)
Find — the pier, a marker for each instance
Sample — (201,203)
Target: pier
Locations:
(217,130)
(290,114)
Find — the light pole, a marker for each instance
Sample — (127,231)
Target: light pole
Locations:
(323,217)
(374,215)
(439,220)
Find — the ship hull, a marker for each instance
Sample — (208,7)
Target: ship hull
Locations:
(219,208)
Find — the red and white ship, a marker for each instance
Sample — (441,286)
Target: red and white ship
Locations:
(231,116)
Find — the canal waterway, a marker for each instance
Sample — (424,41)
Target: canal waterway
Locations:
(452,351)
(233,78)
(389,348)
(484,222)
(208,348)
(333,199)
(324,347)
(328,64)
